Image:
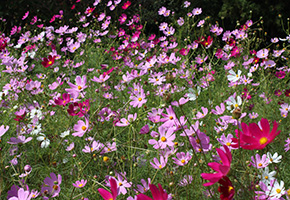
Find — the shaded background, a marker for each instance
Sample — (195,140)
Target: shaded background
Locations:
(226,12)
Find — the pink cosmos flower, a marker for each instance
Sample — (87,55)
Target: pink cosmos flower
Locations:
(182,158)
(157,164)
(156,194)
(256,136)
(263,53)
(3,130)
(221,169)
(144,187)
(259,162)
(51,185)
(114,191)
(80,184)
(125,122)
(126,5)
(166,138)
(219,110)
(22,195)
(25,15)
(81,127)
(79,86)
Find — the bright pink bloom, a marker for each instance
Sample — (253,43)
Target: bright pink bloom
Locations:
(156,194)
(64,100)
(221,169)
(256,136)
(114,192)
(126,5)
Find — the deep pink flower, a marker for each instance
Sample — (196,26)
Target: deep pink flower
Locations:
(156,194)
(255,136)
(64,100)
(226,189)
(280,74)
(221,169)
(126,5)
(114,191)
(47,62)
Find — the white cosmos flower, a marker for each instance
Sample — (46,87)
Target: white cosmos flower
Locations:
(233,77)
(193,94)
(45,141)
(274,158)
(276,190)
(267,177)
(233,104)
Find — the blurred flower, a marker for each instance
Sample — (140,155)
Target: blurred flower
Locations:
(156,194)
(221,169)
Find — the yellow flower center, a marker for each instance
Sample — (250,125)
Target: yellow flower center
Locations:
(278,190)
(260,164)
(266,177)
(228,144)
(105,158)
(171,118)
(80,185)
(263,140)
(160,166)
(79,87)
(163,139)
(50,62)
(84,128)
(182,161)
(139,99)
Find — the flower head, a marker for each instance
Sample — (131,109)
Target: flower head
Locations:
(256,136)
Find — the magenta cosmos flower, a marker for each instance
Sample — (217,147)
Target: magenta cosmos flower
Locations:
(255,136)
(114,191)
(156,194)
(221,169)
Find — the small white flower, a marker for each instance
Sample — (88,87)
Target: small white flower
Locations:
(36,112)
(64,134)
(233,76)
(267,177)
(193,94)
(233,104)
(45,141)
(274,158)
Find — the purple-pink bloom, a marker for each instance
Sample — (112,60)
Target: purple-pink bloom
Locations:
(51,186)
(157,164)
(166,138)
(260,162)
(182,158)
(22,195)
(3,130)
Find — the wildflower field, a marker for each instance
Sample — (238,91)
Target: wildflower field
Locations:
(103,110)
